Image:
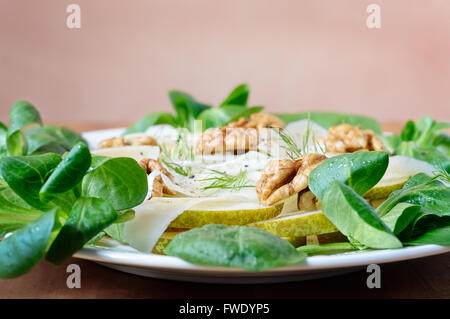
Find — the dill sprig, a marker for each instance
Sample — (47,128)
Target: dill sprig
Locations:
(442,174)
(182,150)
(310,135)
(292,149)
(227,181)
(177,168)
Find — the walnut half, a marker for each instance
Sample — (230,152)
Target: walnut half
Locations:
(345,138)
(159,188)
(237,140)
(283,178)
(258,120)
(237,137)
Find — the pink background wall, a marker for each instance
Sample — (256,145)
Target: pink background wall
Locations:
(296,55)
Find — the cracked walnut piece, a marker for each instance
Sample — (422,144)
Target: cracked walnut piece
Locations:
(283,178)
(238,137)
(131,140)
(345,138)
(258,121)
(159,188)
(238,140)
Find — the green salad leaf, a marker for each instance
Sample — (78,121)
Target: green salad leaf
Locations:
(31,186)
(26,246)
(423,140)
(238,96)
(151,119)
(236,246)
(50,138)
(399,217)
(120,181)
(3,136)
(68,173)
(429,193)
(14,211)
(437,236)
(27,174)
(217,117)
(27,135)
(188,110)
(23,113)
(355,218)
(88,217)
(360,170)
(328,119)
(330,248)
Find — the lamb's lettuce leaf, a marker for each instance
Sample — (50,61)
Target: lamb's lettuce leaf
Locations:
(360,170)
(26,246)
(355,218)
(328,119)
(88,217)
(236,246)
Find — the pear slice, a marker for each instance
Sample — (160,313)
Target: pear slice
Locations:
(225,213)
(298,224)
(381,192)
(167,236)
(398,172)
(163,241)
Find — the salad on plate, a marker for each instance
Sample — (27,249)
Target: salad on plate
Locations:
(230,185)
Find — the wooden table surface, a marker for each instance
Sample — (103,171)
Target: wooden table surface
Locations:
(419,278)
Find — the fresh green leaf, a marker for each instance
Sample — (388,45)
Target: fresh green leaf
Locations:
(120,181)
(25,247)
(422,190)
(115,231)
(14,212)
(355,218)
(238,96)
(217,117)
(124,216)
(430,155)
(16,144)
(237,246)
(360,170)
(424,222)
(96,238)
(185,115)
(330,248)
(194,107)
(438,236)
(55,139)
(88,217)
(328,119)
(151,119)
(399,217)
(23,113)
(3,136)
(27,174)
(409,131)
(68,173)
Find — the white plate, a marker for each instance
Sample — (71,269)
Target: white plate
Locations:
(127,259)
